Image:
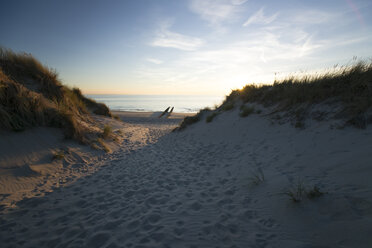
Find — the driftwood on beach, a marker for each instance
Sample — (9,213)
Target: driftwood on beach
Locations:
(165,111)
(170,112)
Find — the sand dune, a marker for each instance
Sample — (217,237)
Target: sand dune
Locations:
(197,188)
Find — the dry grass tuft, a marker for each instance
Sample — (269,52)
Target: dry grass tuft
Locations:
(105,147)
(107,132)
(211,117)
(58,155)
(189,120)
(246,111)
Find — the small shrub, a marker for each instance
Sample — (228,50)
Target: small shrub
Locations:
(227,106)
(297,192)
(189,120)
(314,193)
(58,155)
(245,111)
(107,131)
(211,117)
(257,177)
(105,147)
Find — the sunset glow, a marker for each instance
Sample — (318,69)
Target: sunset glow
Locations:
(185,47)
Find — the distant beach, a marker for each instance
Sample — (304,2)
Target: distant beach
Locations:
(153,103)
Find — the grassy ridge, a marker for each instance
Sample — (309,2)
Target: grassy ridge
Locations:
(351,86)
(32,95)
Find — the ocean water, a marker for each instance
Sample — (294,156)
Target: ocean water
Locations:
(150,103)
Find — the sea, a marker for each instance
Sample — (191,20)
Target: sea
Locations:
(154,103)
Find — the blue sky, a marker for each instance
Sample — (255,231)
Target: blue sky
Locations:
(185,46)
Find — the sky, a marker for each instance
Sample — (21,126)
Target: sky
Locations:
(204,47)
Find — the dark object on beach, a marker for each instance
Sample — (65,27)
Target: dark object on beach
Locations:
(170,112)
(165,111)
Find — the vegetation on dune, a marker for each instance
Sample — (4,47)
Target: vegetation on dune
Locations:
(189,120)
(105,147)
(298,192)
(93,106)
(60,154)
(211,117)
(246,111)
(351,86)
(32,95)
(107,131)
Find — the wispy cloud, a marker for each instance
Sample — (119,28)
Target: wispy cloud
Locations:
(238,2)
(260,18)
(311,17)
(167,38)
(255,58)
(215,11)
(154,61)
(283,41)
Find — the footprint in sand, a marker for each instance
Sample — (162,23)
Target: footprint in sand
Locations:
(153,218)
(133,225)
(267,223)
(98,240)
(179,231)
(195,206)
(174,207)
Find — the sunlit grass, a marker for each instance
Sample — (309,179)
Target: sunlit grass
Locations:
(32,95)
(350,86)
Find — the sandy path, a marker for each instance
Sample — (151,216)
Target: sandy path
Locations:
(167,193)
(192,189)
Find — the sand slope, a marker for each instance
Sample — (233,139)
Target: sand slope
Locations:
(194,189)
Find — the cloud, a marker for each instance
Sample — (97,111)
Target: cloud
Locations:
(312,17)
(260,18)
(238,2)
(154,61)
(279,45)
(166,38)
(254,58)
(215,11)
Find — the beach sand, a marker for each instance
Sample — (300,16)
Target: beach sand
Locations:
(218,184)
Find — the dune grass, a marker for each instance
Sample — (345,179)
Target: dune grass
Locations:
(351,86)
(105,147)
(58,155)
(257,177)
(107,131)
(32,95)
(299,191)
(211,117)
(246,111)
(189,120)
